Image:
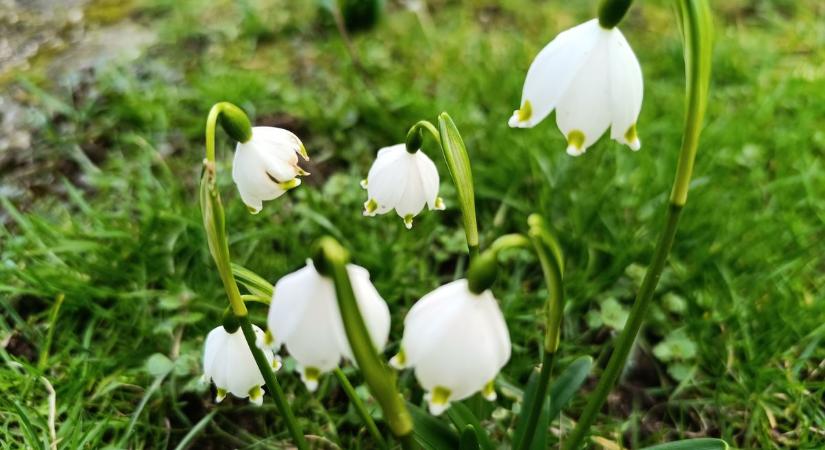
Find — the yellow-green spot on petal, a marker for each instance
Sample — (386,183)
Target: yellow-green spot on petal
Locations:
(439,203)
(489,391)
(252,210)
(526,111)
(276,363)
(399,361)
(221,394)
(370,206)
(364,183)
(630,135)
(312,373)
(575,139)
(287,185)
(408,221)
(256,395)
(303,151)
(269,338)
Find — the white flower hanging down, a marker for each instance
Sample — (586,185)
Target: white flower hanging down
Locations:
(402,181)
(304,316)
(266,165)
(228,362)
(457,342)
(591,77)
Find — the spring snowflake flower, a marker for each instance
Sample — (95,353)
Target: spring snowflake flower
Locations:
(228,362)
(457,342)
(591,77)
(304,316)
(402,181)
(266,165)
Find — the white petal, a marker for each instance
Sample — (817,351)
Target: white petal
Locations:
(249,173)
(413,198)
(583,113)
(626,90)
(388,177)
(429,178)
(373,309)
(553,70)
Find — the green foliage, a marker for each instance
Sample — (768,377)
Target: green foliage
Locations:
(102,208)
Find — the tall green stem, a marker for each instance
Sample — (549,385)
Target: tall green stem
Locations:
(695,23)
(552,266)
(458,163)
(332,260)
(234,121)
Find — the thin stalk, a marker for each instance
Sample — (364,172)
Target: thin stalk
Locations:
(552,263)
(538,403)
(360,408)
(331,260)
(214,221)
(272,384)
(696,27)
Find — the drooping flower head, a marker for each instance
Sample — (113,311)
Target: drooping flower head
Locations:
(402,181)
(457,342)
(266,165)
(591,77)
(304,316)
(228,362)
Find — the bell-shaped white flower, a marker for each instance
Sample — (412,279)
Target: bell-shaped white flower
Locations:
(457,342)
(402,181)
(228,362)
(266,165)
(591,77)
(304,316)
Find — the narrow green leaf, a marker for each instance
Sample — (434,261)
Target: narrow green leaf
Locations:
(462,417)
(195,431)
(255,283)
(28,428)
(469,439)
(568,384)
(692,444)
(458,162)
(431,433)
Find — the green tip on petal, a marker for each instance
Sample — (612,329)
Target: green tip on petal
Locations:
(399,361)
(370,206)
(256,395)
(526,111)
(291,184)
(489,391)
(310,376)
(252,210)
(408,219)
(269,338)
(276,363)
(575,142)
(439,204)
(220,395)
(303,151)
(632,138)
(439,400)
(364,183)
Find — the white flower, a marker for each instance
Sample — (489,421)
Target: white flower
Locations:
(590,75)
(266,165)
(304,316)
(402,181)
(457,342)
(228,362)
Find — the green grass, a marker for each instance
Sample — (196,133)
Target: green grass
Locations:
(114,228)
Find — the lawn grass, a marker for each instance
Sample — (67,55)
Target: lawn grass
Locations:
(113,229)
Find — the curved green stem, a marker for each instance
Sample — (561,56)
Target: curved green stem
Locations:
(214,222)
(272,384)
(360,408)
(458,163)
(332,260)
(552,263)
(696,30)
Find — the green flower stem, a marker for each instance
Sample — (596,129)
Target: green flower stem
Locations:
(458,163)
(483,269)
(272,384)
(552,263)
(360,408)
(611,12)
(332,260)
(235,123)
(696,29)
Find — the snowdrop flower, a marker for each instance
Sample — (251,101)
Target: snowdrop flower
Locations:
(304,316)
(266,165)
(228,362)
(402,181)
(457,342)
(591,77)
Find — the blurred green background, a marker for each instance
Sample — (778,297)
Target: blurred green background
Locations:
(107,289)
